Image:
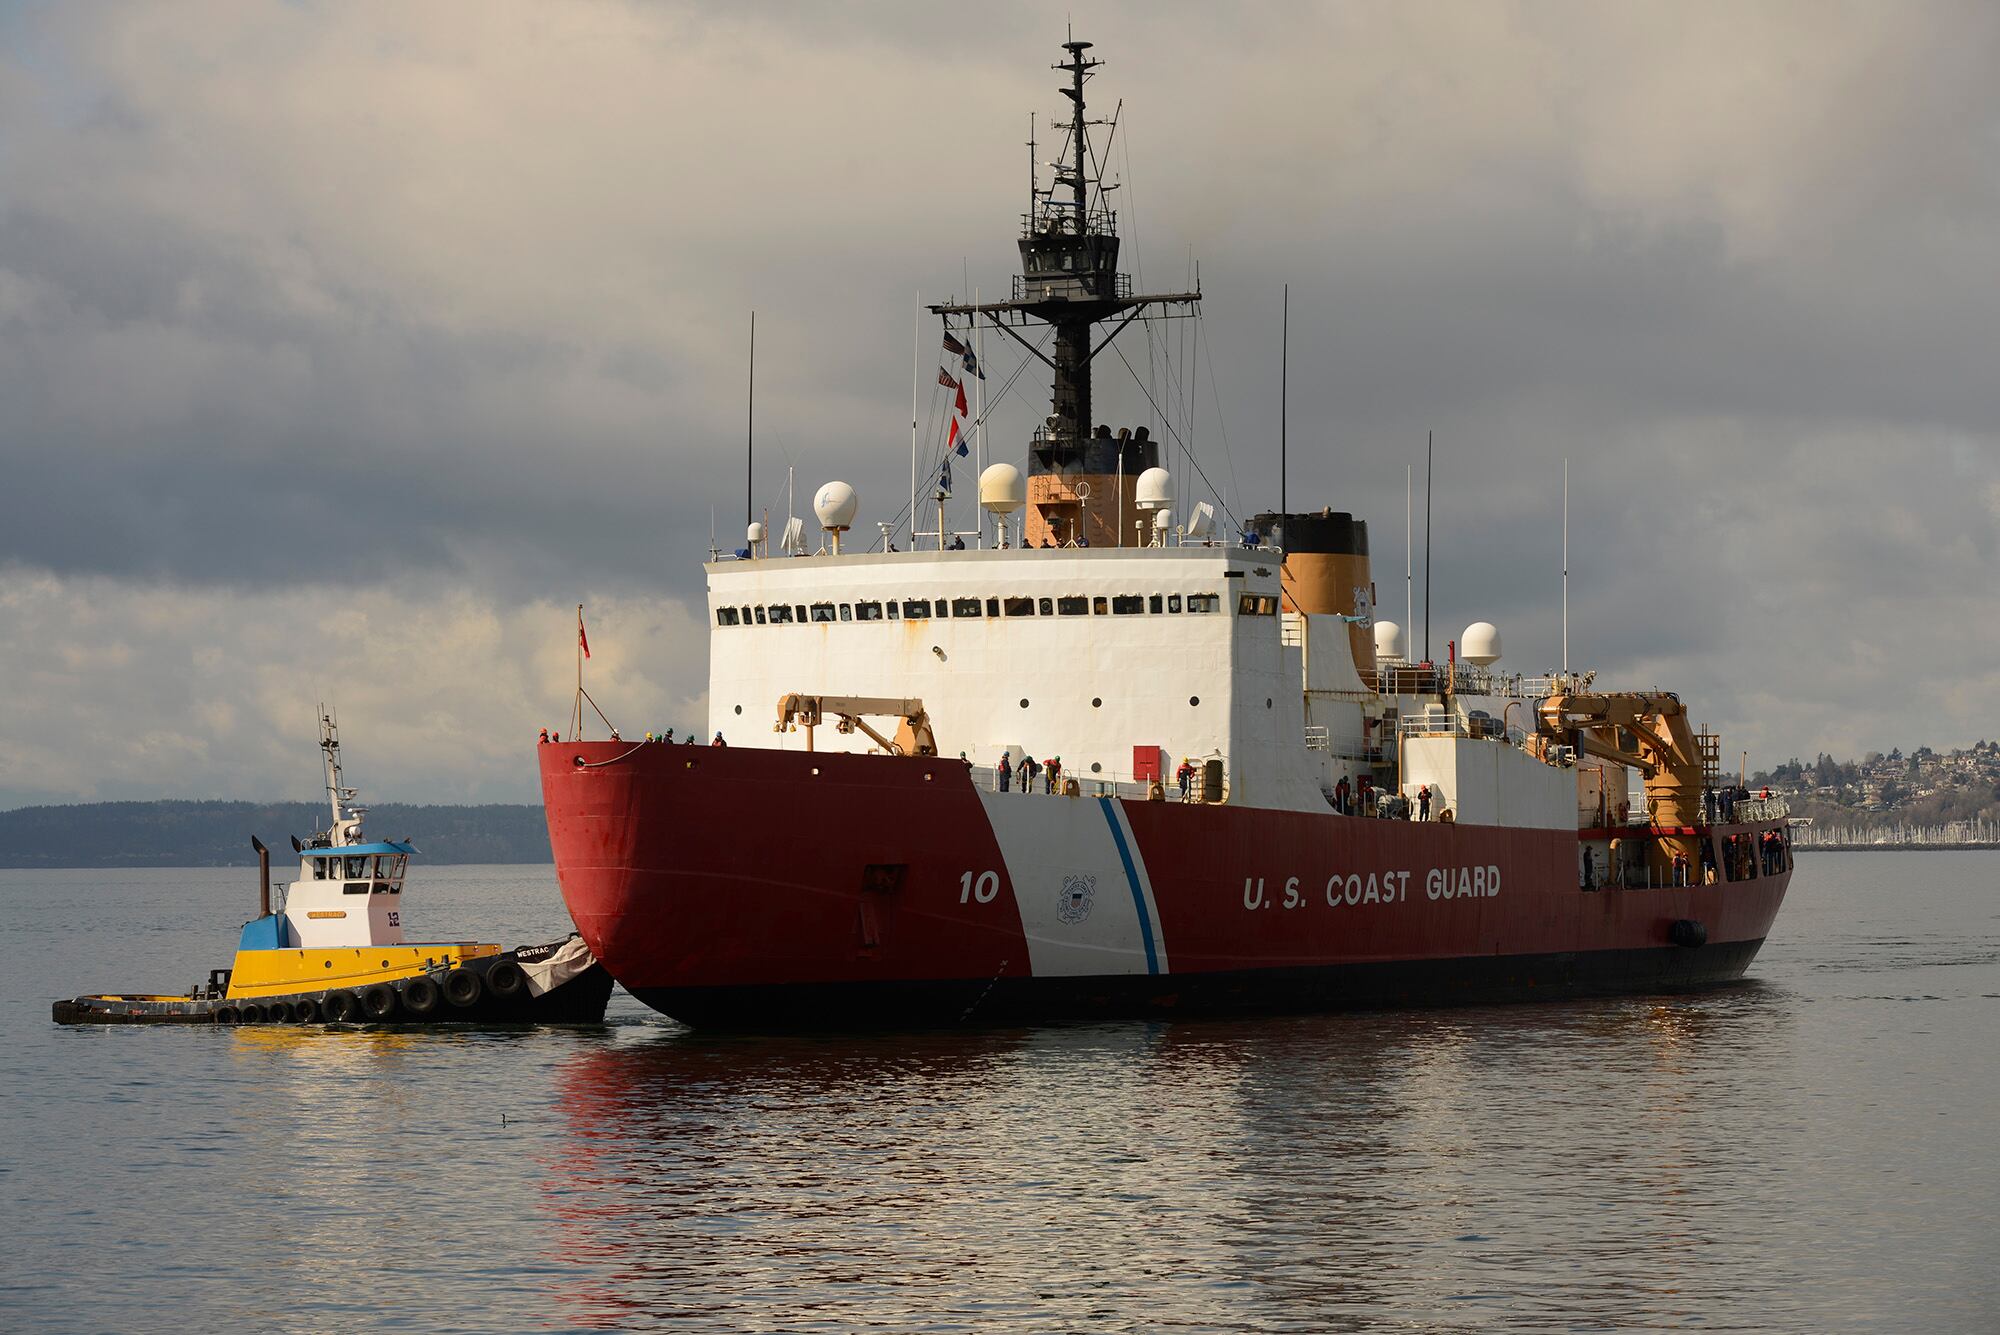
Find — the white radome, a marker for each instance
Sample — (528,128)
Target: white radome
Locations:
(835,504)
(1480,644)
(1001,490)
(1388,640)
(1156,489)
(756,533)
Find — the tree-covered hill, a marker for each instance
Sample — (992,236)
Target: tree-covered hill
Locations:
(217,834)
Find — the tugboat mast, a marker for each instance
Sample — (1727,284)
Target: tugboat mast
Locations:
(339,797)
(1069,280)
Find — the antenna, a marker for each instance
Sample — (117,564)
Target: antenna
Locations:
(1409,565)
(1565,567)
(916,374)
(1034,179)
(1429,440)
(1284,398)
(750,436)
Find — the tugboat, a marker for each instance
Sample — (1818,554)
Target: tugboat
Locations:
(333,951)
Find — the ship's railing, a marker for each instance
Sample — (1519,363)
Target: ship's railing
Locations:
(1748,810)
(1057,216)
(1466,679)
(1450,723)
(1101,784)
(1080,286)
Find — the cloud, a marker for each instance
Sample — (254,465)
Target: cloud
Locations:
(122,691)
(428,309)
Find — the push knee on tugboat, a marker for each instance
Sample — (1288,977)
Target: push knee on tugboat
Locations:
(334,951)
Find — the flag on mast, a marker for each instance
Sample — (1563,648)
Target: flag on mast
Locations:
(582,640)
(952,345)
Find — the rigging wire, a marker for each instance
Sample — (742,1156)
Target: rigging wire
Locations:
(1188,454)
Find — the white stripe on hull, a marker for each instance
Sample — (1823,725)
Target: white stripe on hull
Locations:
(1082,914)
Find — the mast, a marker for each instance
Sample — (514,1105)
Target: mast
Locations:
(1429,440)
(1284,395)
(339,797)
(1069,281)
(750,438)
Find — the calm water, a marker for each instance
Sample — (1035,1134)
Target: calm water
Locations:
(1815,1150)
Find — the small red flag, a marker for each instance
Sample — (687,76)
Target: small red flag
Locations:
(961,400)
(952,439)
(582,640)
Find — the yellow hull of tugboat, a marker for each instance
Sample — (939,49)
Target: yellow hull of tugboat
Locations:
(278,973)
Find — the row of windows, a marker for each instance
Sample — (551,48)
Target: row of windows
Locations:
(923,609)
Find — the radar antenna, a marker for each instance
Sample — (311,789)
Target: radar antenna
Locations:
(1069,280)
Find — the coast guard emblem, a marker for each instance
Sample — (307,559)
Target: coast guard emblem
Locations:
(1077,892)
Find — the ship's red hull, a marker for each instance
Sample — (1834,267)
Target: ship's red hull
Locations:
(746,887)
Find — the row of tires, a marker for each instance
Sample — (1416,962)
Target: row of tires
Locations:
(420,998)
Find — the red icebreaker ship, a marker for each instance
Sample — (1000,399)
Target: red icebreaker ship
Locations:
(1186,770)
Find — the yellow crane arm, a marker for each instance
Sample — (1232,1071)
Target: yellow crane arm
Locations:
(850,713)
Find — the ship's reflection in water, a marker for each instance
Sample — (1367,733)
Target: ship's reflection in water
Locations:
(1451,1168)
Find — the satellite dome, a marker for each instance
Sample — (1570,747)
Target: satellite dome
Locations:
(1156,489)
(1000,489)
(1480,644)
(1388,640)
(756,534)
(835,504)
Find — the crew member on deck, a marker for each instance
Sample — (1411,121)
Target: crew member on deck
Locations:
(1424,802)
(718,739)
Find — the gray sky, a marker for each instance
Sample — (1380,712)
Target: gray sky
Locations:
(345,348)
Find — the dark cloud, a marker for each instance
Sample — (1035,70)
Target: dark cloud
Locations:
(295,300)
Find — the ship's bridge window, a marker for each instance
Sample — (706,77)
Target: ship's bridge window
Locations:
(781,614)
(1173,602)
(1154,606)
(356,868)
(1128,604)
(760,616)
(822,611)
(965,607)
(846,612)
(916,609)
(1048,607)
(1097,605)
(993,607)
(1204,602)
(943,608)
(1020,607)
(801,610)
(1073,606)
(1257,605)
(868,611)
(725,616)
(890,608)
(745,615)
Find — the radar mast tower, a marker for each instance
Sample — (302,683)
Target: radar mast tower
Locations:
(1069,280)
